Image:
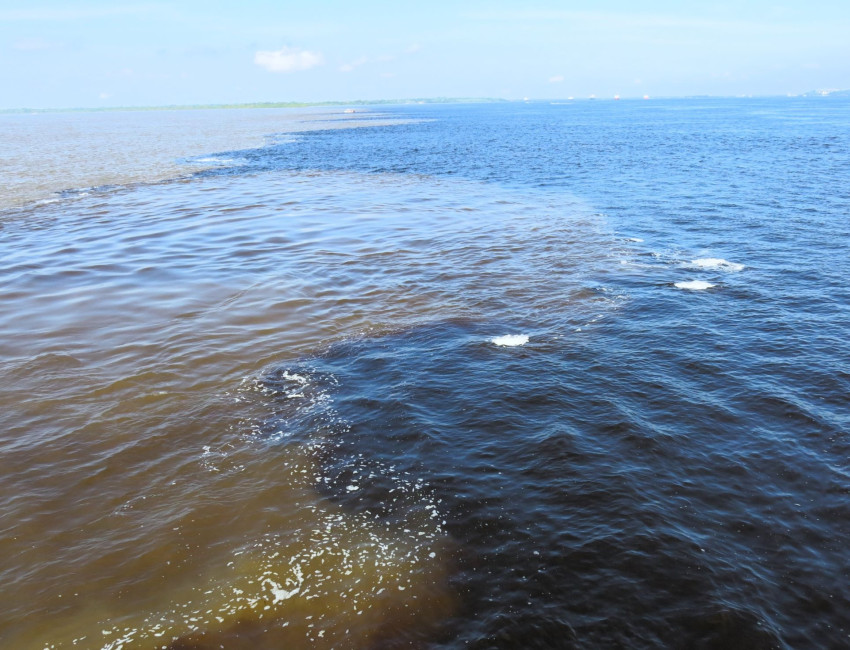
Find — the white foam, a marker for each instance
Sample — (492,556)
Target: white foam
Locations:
(214,159)
(694,285)
(637,240)
(278,592)
(717,263)
(510,340)
(291,376)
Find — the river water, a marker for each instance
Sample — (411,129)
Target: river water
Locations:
(490,376)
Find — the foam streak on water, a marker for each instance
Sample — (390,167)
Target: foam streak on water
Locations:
(510,340)
(694,285)
(717,263)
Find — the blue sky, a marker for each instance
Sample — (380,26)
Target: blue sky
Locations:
(97,53)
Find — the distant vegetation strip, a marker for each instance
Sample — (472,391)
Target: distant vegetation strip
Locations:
(185,107)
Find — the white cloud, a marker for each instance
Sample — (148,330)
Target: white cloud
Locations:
(558,78)
(287,59)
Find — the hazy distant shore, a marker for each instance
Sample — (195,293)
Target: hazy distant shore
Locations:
(185,107)
(832,92)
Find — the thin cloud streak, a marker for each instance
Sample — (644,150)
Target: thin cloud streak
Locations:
(287,59)
(80,13)
(349,67)
(34,45)
(632,21)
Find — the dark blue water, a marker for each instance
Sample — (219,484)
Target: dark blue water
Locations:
(681,477)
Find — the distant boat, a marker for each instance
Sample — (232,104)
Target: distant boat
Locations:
(592,97)
(616,97)
(646,96)
(349,110)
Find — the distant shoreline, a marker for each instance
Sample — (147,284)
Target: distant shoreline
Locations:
(187,107)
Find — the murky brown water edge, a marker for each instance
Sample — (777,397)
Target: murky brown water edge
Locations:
(45,154)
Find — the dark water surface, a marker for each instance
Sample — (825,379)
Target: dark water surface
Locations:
(273,405)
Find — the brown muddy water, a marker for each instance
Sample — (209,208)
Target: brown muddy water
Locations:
(146,503)
(46,154)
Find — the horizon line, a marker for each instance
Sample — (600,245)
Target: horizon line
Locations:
(416,100)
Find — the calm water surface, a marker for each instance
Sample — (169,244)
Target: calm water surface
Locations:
(49,156)
(271,403)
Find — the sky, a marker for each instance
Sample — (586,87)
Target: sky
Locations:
(115,53)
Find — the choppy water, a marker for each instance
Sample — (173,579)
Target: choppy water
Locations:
(499,376)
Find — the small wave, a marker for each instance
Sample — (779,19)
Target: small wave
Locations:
(637,240)
(510,340)
(694,285)
(717,263)
(76,192)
